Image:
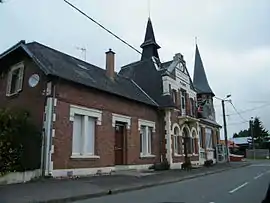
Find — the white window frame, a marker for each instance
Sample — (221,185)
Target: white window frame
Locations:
(86,113)
(148,125)
(20,67)
(209,142)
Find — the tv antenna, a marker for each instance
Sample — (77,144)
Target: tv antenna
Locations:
(83,50)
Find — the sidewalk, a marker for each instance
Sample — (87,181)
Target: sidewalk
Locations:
(68,190)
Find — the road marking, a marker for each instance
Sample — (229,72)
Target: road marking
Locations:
(239,187)
(255,178)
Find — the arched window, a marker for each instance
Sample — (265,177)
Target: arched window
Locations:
(177,141)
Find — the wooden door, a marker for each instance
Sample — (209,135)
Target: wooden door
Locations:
(119,143)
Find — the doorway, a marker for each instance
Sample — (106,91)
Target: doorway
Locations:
(120,129)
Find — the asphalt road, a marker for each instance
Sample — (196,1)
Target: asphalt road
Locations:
(242,185)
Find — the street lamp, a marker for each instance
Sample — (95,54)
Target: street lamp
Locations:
(225,125)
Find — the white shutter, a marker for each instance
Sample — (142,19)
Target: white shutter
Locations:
(77,135)
(9,78)
(90,136)
(20,79)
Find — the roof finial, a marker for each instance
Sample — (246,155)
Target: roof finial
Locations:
(149,8)
(196,40)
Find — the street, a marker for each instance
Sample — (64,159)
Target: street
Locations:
(242,185)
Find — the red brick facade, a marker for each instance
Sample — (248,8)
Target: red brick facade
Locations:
(68,93)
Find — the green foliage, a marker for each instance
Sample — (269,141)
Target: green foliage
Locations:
(20,142)
(242,133)
(259,132)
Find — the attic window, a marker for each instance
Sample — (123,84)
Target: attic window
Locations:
(15,79)
(82,66)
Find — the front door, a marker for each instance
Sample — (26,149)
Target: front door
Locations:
(119,143)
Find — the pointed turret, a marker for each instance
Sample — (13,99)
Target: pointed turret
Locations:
(199,77)
(149,46)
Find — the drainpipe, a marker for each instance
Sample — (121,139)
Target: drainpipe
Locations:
(50,129)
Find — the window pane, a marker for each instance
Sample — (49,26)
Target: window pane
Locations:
(90,138)
(77,134)
(14,81)
(144,139)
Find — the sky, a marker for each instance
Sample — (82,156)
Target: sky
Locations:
(233,38)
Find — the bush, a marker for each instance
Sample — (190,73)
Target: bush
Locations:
(160,166)
(209,163)
(20,142)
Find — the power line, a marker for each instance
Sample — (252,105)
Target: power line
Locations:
(132,47)
(100,25)
(238,112)
(248,110)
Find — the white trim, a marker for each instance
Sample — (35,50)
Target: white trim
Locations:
(147,155)
(17,66)
(168,136)
(53,132)
(54,117)
(178,155)
(121,118)
(175,125)
(55,102)
(94,171)
(182,128)
(86,112)
(146,123)
(75,156)
(193,129)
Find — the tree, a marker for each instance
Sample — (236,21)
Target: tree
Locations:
(242,133)
(259,132)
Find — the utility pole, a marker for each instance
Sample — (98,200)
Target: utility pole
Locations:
(252,136)
(225,130)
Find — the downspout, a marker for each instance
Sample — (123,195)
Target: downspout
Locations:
(51,128)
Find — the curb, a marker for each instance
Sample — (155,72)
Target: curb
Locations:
(138,187)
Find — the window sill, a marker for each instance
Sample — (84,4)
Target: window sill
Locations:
(147,156)
(13,94)
(210,149)
(178,155)
(85,157)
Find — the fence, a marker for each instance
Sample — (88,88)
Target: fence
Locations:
(257,154)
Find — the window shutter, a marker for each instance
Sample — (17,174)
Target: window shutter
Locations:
(90,137)
(20,80)
(9,83)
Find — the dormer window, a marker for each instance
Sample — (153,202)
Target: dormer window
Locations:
(15,79)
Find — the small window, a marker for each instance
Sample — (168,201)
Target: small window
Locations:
(15,79)
(146,140)
(174,96)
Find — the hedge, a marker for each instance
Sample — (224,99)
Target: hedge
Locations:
(20,142)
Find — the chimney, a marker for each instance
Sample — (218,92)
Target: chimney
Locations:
(110,63)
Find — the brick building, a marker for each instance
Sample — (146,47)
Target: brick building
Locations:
(95,119)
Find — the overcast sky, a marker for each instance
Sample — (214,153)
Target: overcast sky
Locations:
(233,39)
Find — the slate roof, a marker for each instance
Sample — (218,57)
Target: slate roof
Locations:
(56,63)
(200,81)
(146,75)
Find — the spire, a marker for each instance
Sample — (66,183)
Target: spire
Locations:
(149,46)
(199,77)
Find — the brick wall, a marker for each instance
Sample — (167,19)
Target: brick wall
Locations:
(30,98)
(70,93)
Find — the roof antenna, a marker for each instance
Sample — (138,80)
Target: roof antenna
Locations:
(83,50)
(149,8)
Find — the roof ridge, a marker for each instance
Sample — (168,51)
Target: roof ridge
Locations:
(58,51)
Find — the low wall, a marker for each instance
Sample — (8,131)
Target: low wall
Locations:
(259,153)
(19,177)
